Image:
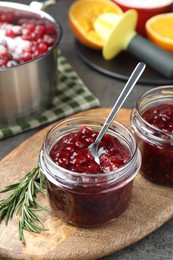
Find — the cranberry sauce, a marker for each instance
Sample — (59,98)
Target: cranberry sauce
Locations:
(89,206)
(157,162)
(160,117)
(93,202)
(23,37)
(72,153)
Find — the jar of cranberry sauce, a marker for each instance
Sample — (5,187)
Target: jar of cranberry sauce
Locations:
(152,121)
(80,191)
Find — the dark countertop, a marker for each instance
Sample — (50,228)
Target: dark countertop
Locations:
(159,244)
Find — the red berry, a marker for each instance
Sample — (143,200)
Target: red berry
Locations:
(48,39)
(29,26)
(42,47)
(40,29)
(39,40)
(6,17)
(4,54)
(10,33)
(3,63)
(27,56)
(79,157)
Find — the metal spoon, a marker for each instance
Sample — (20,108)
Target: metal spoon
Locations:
(125,92)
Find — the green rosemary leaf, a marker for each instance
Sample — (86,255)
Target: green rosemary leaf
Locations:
(39,206)
(26,213)
(7,201)
(7,216)
(18,209)
(10,187)
(22,201)
(42,179)
(30,226)
(35,217)
(39,209)
(13,207)
(20,230)
(21,198)
(3,213)
(36,228)
(39,188)
(30,192)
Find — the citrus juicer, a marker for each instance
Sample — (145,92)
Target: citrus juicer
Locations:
(118,34)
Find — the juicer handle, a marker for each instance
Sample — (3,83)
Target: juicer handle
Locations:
(157,58)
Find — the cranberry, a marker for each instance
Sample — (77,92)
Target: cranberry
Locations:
(10,33)
(112,153)
(157,161)
(4,54)
(36,54)
(48,39)
(6,17)
(28,28)
(3,63)
(40,29)
(17,30)
(23,40)
(42,47)
(26,56)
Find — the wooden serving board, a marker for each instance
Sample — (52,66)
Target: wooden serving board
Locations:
(150,207)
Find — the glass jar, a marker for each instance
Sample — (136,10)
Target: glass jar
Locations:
(89,199)
(155,143)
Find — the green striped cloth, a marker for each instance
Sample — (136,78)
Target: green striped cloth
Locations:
(72,96)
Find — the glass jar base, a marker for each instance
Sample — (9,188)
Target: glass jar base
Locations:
(157,181)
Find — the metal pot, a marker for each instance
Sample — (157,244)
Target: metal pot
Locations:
(28,88)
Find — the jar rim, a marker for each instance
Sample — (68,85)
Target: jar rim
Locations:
(154,90)
(144,129)
(119,171)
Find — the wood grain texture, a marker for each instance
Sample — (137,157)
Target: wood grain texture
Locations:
(151,206)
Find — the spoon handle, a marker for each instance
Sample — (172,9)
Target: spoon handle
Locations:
(122,97)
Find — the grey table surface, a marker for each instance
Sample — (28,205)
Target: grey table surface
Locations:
(159,244)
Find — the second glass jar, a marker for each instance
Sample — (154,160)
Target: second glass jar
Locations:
(152,121)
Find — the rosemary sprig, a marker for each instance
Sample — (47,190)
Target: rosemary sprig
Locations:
(23,201)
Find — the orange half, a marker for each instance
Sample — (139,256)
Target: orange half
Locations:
(82,15)
(159,29)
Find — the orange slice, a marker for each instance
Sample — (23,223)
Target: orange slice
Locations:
(82,15)
(159,29)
